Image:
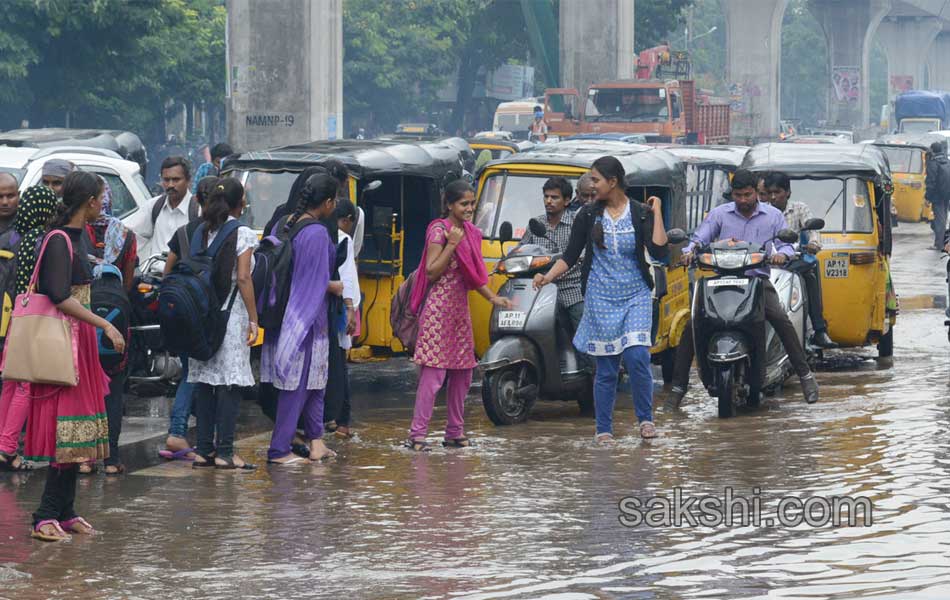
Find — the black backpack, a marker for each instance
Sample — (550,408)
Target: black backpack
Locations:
(189,310)
(273,270)
(110,301)
(8,252)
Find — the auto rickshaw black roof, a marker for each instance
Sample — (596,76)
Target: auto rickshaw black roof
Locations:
(644,165)
(727,156)
(513,145)
(920,141)
(820,161)
(363,158)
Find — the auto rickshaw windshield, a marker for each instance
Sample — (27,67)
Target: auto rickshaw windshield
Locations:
(513,198)
(904,160)
(264,191)
(843,203)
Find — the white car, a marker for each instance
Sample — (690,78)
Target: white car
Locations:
(129,191)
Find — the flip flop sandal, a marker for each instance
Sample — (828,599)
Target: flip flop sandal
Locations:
(418,445)
(206,462)
(119,469)
(292,461)
(329,454)
(178,454)
(647,430)
(84,527)
(58,536)
(9,459)
(230,466)
(462,442)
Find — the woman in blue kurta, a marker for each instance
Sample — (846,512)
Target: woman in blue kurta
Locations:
(613,234)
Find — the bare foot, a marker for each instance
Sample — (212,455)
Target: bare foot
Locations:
(319,450)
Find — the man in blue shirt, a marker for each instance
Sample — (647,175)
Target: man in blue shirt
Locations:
(748,220)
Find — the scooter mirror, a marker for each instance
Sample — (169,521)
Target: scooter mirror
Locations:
(505,233)
(537,228)
(814,225)
(676,236)
(788,236)
(372,186)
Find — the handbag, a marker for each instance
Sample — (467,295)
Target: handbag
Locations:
(41,347)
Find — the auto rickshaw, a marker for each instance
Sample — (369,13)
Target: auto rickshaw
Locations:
(396,211)
(509,191)
(907,155)
(849,186)
(709,172)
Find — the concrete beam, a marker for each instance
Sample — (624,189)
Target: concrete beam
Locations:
(285,72)
(753,65)
(907,43)
(849,29)
(938,68)
(596,41)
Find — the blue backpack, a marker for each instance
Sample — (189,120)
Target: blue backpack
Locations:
(189,311)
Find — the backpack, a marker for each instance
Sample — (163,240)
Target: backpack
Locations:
(404,322)
(189,310)
(8,251)
(110,301)
(273,270)
(160,204)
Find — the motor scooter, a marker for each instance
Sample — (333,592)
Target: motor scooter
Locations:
(738,353)
(151,368)
(532,353)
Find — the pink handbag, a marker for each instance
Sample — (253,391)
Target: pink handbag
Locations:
(41,345)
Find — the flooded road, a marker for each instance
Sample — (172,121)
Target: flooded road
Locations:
(533,511)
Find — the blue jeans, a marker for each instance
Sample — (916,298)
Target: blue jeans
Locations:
(184,397)
(637,360)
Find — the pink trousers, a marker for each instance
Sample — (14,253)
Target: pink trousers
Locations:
(14,409)
(430,382)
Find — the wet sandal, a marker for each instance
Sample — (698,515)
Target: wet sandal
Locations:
(462,442)
(418,445)
(58,535)
(119,469)
(77,525)
(178,454)
(206,461)
(647,430)
(88,468)
(229,465)
(605,439)
(10,463)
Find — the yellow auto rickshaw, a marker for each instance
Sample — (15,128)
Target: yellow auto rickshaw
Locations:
(396,210)
(907,156)
(509,191)
(849,186)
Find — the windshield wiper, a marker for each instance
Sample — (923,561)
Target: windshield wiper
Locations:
(833,202)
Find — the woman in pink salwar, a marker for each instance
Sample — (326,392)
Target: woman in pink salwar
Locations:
(445,348)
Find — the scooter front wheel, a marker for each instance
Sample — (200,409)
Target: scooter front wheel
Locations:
(509,394)
(728,392)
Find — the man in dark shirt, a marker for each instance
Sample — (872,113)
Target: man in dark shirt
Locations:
(9,199)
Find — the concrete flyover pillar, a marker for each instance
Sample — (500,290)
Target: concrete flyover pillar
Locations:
(938,62)
(285,72)
(753,66)
(849,28)
(907,42)
(596,41)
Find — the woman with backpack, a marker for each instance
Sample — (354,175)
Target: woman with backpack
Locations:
(67,424)
(296,362)
(218,380)
(114,245)
(614,233)
(445,348)
(37,206)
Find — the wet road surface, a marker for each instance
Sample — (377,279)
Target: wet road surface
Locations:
(532,511)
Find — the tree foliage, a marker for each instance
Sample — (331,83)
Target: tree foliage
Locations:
(659,21)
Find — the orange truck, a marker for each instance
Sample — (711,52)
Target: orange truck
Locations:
(661,103)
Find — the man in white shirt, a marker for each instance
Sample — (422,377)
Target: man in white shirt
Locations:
(161,217)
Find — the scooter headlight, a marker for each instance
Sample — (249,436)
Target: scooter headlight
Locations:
(521,264)
(731,259)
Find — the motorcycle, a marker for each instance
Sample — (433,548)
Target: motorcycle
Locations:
(531,354)
(151,368)
(738,353)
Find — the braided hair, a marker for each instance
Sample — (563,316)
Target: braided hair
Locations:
(609,168)
(318,189)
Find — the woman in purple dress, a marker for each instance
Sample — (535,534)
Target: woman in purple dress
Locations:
(296,361)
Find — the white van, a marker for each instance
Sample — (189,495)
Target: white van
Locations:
(516,117)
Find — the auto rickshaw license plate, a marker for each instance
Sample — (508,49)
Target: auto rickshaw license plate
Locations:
(836,268)
(511,319)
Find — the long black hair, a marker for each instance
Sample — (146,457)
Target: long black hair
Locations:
(319,188)
(78,188)
(205,187)
(454,192)
(225,197)
(610,168)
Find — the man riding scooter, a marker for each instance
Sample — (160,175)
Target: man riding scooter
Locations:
(747,220)
(775,188)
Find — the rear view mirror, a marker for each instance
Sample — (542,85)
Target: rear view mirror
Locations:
(505,233)
(814,225)
(676,236)
(537,228)
(788,236)
(372,186)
